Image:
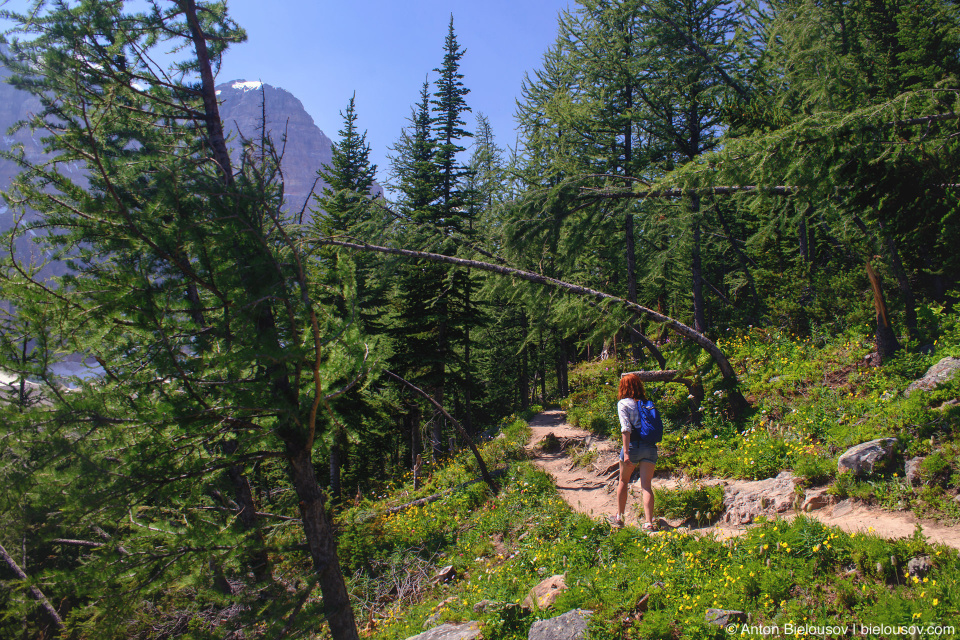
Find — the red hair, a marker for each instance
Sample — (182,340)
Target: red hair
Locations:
(631,386)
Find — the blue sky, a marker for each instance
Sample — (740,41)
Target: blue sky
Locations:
(324,51)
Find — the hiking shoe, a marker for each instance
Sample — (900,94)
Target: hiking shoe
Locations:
(616,521)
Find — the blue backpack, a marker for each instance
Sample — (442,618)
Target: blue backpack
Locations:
(650,429)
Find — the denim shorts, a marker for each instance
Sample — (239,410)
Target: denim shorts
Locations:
(640,451)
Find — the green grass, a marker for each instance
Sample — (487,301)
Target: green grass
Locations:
(811,400)
(800,572)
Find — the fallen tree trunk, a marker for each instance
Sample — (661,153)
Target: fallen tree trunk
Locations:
(726,370)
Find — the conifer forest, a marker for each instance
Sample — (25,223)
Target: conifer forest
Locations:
(275,381)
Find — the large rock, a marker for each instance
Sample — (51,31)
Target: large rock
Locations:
(862,458)
(817,499)
(911,470)
(449,631)
(724,617)
(744,501)
(935,376)
(570,626)
(546,593)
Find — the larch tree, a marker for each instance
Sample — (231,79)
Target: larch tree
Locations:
(219,354)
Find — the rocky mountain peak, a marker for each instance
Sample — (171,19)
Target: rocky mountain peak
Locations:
(305,148)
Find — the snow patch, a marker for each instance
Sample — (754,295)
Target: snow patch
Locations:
(248,85)
(218,91)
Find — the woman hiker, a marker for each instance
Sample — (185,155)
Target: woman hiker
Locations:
(634,451)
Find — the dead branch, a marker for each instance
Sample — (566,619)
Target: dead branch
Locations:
(34,590)
(459,427)
(78,543)
(433,498)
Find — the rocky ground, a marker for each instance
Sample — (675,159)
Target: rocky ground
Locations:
(590,490)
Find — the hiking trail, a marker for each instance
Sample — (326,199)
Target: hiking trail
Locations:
(591,489)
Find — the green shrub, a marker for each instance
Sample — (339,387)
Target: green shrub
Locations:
(699,503)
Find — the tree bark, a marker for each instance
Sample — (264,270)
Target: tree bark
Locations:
(218,142)
(886,339)
(322,545)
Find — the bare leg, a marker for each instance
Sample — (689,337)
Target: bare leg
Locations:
(646,487)
(626,470)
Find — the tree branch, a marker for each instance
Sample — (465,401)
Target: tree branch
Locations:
(34,590)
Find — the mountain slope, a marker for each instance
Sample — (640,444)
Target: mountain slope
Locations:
(304,147)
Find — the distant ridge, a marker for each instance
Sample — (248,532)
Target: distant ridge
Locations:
(305,150)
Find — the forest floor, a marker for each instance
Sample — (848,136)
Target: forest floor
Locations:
(591,489)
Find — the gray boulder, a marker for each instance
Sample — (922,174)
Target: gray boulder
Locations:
(935,376)
(911,470)
(862,458)
(570,626)
(919,567)
(723,617)
(465,631)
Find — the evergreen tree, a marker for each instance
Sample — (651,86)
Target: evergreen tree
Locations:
(433,309)
(415,318)
(349,177)
(449,102)
(348,208)
(195,294)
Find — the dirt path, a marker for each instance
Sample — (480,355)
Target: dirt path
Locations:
(590,490)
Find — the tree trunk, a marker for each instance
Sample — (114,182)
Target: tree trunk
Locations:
(906,290)
(631,277)
(524,371)
(562,389)
(699,315)
(886,339)
(440,370)
(802,236)
(258,560)
(321,542)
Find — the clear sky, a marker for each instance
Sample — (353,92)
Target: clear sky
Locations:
(383,49)
(322,51)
